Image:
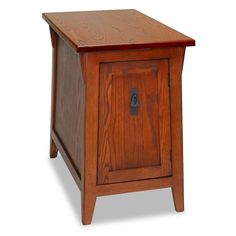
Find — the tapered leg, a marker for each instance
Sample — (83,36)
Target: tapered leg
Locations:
(178,197)
(89,162)
(53,149)
(176,65)
(88,202)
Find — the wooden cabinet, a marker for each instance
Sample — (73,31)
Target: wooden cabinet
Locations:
(116,113)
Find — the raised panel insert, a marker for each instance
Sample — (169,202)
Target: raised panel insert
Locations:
(134,121)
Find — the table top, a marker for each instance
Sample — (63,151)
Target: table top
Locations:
(114,29)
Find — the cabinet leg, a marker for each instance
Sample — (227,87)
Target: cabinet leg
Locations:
(53,149)
(54,38)
(88,202)
(178,197)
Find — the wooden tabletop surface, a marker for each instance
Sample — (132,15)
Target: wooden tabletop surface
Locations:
(114,29)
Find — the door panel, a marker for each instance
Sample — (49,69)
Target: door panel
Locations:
(134,121)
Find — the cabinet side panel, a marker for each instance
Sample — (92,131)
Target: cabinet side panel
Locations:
(70,96)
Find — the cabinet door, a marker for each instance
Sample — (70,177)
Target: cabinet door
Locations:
(134,121)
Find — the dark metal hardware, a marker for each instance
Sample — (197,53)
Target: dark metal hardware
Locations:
(134,101)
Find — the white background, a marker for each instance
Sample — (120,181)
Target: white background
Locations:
(38,195)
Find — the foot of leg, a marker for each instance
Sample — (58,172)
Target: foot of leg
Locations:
(88,204)
(53,149)
(178,197)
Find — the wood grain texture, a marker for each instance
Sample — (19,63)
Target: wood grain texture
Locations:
(133,186)
(54,40)
(114,29)
(107,149)
(89,170)
(134,146)
(134,139)
(176,66)
(134,55)
(70,103)
(66,157)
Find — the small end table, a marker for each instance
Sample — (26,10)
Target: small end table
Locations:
(116,107)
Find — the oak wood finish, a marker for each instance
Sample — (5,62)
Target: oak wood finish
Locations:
(114,29)
(134,146)
(54,38)
(176,130)
(70,102)
(133,186)
(89,177)
(107,149)
(71,166)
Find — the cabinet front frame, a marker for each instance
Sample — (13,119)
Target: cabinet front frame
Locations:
(92,63)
